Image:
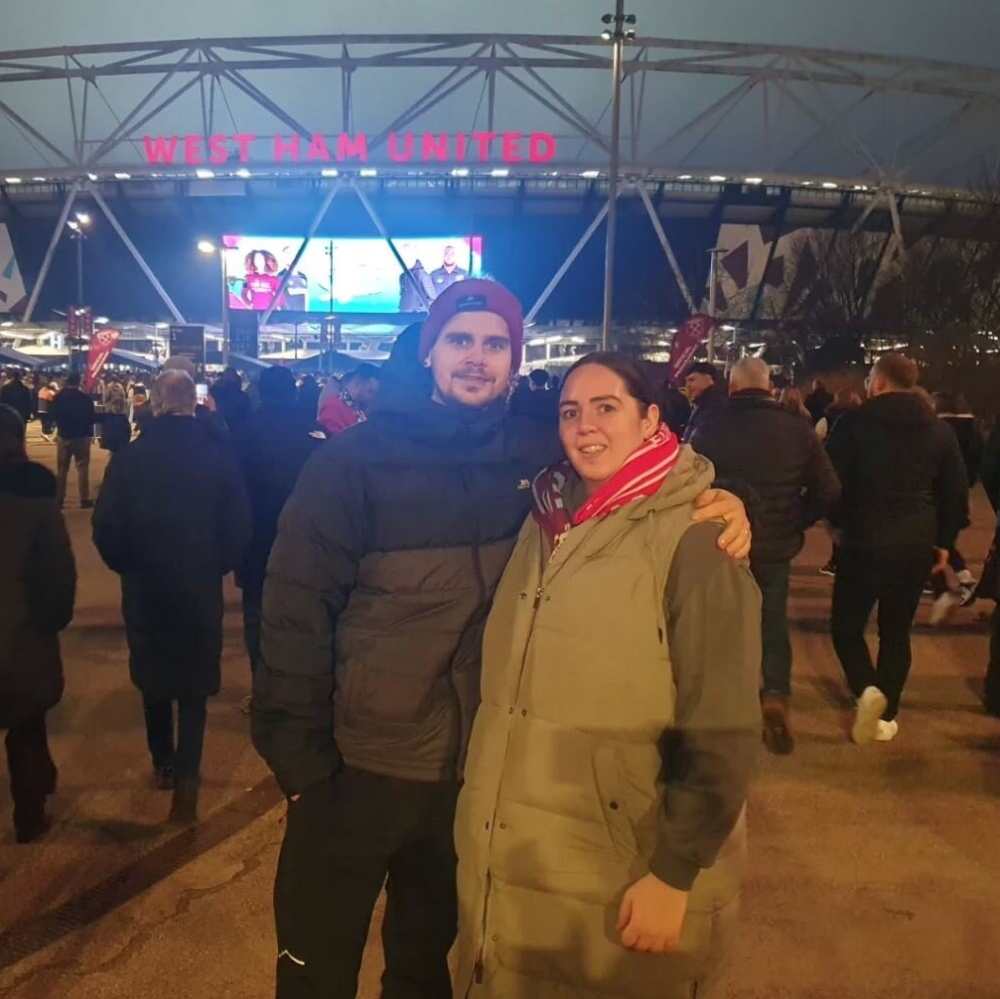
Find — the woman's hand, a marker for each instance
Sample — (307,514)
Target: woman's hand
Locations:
(717,504)
(651,916)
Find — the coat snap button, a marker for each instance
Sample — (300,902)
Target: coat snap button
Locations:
(524,713)
(510,711)
(487,825)
(494,937)
(613,805)
(503,825)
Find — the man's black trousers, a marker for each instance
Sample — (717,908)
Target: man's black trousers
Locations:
(346,837)
(892,578)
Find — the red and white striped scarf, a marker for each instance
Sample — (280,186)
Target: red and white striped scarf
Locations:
(641,476)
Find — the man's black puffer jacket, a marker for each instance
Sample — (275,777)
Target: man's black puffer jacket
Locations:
(379,583)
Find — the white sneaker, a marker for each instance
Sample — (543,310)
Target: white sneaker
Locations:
(871,705)
(943,606)
(887,730)
(966,578)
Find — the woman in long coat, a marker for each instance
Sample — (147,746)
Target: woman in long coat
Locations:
(37,589)
(600,830)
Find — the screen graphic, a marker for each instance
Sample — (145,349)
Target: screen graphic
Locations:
(346,274)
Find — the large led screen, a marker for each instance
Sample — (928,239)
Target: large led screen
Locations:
(346,274)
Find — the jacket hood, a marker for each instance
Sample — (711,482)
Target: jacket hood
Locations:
(899,409)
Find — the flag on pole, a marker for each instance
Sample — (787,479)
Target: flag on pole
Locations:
(101,344)
(687,340)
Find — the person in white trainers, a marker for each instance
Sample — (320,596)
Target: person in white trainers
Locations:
(905,494)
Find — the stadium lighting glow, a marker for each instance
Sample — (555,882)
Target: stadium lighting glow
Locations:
(101,320)
(330,172)
(716,178)
(753,180)
(684,176)
(206,246)
(162,326)
(591,174)
(6,324)
(243,172)
(38,179)
(500,172)
(829,185)
(83,218)
(91,176)
(368,172)
(203,173)
(74,225)
(122,175)
(460,172)
(13,180)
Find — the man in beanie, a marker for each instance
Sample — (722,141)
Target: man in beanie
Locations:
(378,587)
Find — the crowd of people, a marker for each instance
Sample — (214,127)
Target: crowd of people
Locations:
(513,645)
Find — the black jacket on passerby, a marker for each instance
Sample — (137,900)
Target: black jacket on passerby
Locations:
(778,454)
(989,468)
(17,395)
(37,589)
(903,478)
(372,619)
(675,409)
(818,402)
(272,446)
(709,404)
(539,405)
(970,442)
(232,402)
(172,519)
(73,414)
(116,431)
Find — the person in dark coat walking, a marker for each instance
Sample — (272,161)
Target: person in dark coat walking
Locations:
(536,401)
(17,395)
(232,402)
(777,452)
(707,396)
(376,597)
(272,446)
(991,686)
(818,401)
(905,498)
(37,590)
(73,413)
(172,519)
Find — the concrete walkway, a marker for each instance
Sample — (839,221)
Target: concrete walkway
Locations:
(875,872)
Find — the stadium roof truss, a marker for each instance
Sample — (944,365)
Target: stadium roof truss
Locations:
(799,106)
(834,135)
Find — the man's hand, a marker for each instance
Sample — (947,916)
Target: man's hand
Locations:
(717,504)
(651,916)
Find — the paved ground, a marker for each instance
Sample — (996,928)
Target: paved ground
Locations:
(875,873)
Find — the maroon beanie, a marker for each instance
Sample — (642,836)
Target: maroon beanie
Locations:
(475,295)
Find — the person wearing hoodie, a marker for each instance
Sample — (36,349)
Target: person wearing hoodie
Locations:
(37,591)
(905,498)
(378,587)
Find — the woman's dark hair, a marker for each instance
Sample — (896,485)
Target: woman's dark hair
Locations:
(11,435)
(631,373)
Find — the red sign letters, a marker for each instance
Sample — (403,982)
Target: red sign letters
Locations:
(402,147)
